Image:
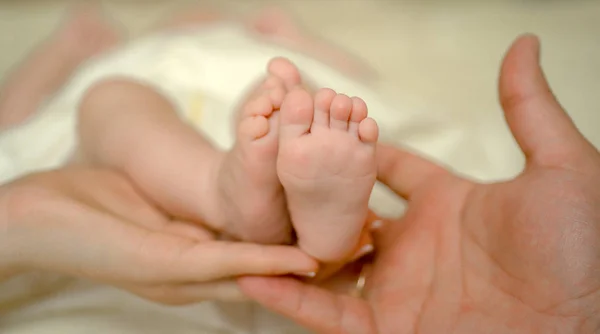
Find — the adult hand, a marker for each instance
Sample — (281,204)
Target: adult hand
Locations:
(517,256)
(93,224)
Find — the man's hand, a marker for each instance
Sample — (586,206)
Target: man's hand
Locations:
(521,256)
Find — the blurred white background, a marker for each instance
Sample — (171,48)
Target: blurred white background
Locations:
(440,55)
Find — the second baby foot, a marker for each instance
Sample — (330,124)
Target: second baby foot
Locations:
(251,195)
(327,166)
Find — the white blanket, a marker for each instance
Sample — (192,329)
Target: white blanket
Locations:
(205,73)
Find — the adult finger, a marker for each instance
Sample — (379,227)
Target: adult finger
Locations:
(101,247)
(544,131)
(207,261)
(185,294)
(310,306)
(404,172)
(164,258)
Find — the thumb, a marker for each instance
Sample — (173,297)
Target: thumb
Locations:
(310,306)
(544,131)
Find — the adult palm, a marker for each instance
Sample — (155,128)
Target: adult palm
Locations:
(520,256)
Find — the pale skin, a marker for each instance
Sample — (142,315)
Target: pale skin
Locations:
(519,256)
(290,152)
(93,223)
(87,35)
(178,168)
(276,26)
(285,142)
(326,164)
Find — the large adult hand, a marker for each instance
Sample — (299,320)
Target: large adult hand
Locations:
(518,256)
(93,223)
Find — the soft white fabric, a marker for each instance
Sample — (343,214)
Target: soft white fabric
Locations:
(210,69)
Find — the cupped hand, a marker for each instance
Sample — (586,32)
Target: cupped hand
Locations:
(93,223)
(521,256)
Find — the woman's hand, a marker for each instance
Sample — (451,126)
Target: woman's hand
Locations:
(93,223)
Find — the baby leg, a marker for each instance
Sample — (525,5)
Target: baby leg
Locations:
(133,128)
(82,36)
(327,166)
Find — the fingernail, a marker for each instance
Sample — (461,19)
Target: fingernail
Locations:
(366,249)
(309,274)
(376,225)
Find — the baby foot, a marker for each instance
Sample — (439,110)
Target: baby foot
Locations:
(251,193)
(86,33)
(327,166)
